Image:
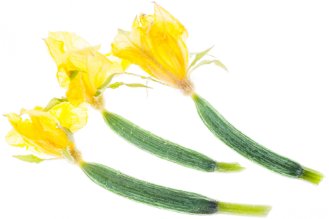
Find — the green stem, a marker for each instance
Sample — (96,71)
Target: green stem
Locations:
(252,210)
(229,167)
(312,176)
(247,147)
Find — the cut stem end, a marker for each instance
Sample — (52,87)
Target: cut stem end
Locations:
(229,167)
(242,209)
(311,176)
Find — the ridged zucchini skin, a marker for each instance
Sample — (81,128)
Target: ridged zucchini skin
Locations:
(157,145)
(148,193)
(241,143)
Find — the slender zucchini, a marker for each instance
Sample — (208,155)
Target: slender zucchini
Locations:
(241,143)
(164,148)
(163,197)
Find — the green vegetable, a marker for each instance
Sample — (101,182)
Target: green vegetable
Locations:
(164,148)
(241,143)
(163,197)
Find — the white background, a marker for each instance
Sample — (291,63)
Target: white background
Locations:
(276,91)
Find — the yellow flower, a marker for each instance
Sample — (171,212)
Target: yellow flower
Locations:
(81,68)
(157,44)
(47,131)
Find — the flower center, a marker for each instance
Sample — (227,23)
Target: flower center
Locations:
(98,102)
(186,87)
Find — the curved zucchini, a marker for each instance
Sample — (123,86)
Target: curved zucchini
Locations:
(164,148)
(163,197)
(241,143)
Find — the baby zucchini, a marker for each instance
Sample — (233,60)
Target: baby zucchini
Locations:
(163,197)
(241,143)
(164,148)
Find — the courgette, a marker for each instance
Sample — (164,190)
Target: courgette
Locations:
(163,148)
(163,197)
(248,148)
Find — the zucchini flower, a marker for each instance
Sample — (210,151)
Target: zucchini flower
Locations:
(87,73)
(47,131)
(81,69)
(156,43)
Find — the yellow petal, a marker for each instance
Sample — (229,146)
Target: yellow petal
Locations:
(156,43)
(13,118)
(99,69)
(56,50)
(175,59)
(15,139)
(40,131)
(118,65)
(165,39)
(81,90)
(69,41)
(20,124)
(81,68)
(94,69)
(168,22)
(63,79)
(70,117)
(125,46)
(94,64)
(77,92)
(50,134)
(60,45)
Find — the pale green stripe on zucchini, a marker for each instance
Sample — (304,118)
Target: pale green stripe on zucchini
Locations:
(164,148)
(163,197)
(250,149)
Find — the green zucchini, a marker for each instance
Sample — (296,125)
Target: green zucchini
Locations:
(248,148)
(164,148)
(163,197)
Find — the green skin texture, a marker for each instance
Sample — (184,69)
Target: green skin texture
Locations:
(164,197)
(250,149)
(148,193)
(157,145)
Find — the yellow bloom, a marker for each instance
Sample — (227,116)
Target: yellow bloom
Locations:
(81,68)
(157,44)
(47,132)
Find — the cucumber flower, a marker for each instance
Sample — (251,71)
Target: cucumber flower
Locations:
(47,131)
(82,70)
